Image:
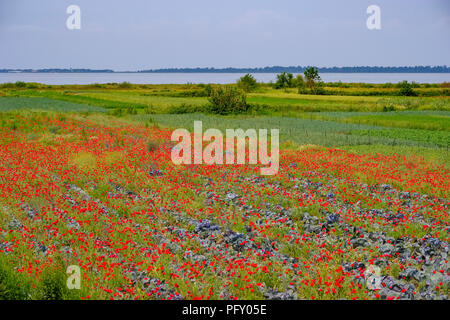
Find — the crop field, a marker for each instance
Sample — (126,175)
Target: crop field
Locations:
(19,103)
(359,208)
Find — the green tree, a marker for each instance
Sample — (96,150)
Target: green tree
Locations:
(284,80)
(247,83)
(311,76)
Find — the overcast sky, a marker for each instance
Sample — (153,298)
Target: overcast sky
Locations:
(146,34)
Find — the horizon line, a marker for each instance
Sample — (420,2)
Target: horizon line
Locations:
(266,69)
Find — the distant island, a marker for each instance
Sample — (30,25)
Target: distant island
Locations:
(301,69)
(56,71)
(273,69)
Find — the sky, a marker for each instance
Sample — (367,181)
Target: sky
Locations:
(148,34)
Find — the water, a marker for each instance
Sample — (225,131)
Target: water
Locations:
(182,78)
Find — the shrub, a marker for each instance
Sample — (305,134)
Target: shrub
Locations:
(125,85)
(388,108)
(406,89)
(247,83)
(207,89)
(284,80)
(318,88)
(20,84)
(226,100)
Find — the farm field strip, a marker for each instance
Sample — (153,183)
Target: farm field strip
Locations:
(87,191)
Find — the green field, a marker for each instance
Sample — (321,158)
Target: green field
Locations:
(26,103)
(371,122)
(87,179)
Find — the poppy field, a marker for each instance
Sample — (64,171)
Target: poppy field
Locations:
(101,193)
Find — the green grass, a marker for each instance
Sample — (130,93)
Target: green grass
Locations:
(306,131)
(327,120)
(161,103)
(422,137)
(74,97)
(17,103)
(265,101)
(427,120)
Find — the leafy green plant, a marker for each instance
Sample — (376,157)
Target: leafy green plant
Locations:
(284,80)
(406,89)
(20,84)
(226,100)
(247,83)
(311,76)
(125,85)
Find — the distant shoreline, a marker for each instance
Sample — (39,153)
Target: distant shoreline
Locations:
(276,69)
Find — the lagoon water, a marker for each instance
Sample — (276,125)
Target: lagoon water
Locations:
(182,78)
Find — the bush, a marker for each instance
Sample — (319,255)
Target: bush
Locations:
(207,89)
(247,83)
(226,100)
(284,80)
(406,89)
(388,108)
(20,84)
(125,85)
(318,88)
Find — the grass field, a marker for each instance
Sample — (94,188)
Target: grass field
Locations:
(358,210)
(25,103)
(160,99)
